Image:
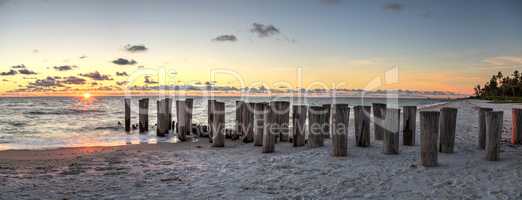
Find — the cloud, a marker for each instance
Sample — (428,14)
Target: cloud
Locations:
(264,30)
(123,61)
(508,61)
(394,7)
(148,80)
(64,68)
(9,73)
(225,38)
(97,76)
(47,82)
(73,80)
(122,74)
(18,67)
(330,2)
(26,72)
(82,57)
(120,83)
(135,48)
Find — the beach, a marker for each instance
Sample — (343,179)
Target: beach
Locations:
(194,170)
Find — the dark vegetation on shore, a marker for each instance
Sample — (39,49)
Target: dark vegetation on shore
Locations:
(501,89)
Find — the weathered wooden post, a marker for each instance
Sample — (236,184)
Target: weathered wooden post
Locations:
(217,124)
(270,128)
(210,120)
(362,125)
(409,121)
(379,113)
(326,118)
(493,134)
(188,113)
(429,122)
(143,115)
(392,126)
(169,112)
(448,124)
(298,122)
(181,114)
(339,130)
(315,126)
(283,120)
(259,117)
(127,102)
(248,122)
(239,130)
(482,126)
(516,129)
(162,127)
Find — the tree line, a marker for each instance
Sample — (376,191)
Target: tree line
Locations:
(501,86)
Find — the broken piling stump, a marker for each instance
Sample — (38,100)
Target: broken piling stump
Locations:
(447,126)
(516,129)
(162,127)
(339,130)
(127,102)
(217,124)
(362,125)
(143,115)
(316,126)
(282,114)
(326,118)
(259,117)
(391,131)
(379,112)
(494,120)
(270,128)
(409,121)
(482,127)
(298,121)
(429,130)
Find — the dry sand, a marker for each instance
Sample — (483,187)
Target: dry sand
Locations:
(241,171)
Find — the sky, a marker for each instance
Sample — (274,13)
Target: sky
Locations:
(58,45)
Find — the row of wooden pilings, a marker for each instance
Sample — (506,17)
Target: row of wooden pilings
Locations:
(265,124)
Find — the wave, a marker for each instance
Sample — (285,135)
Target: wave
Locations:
(62,112)
(112,128)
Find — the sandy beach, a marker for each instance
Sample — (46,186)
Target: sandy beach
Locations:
(240,171)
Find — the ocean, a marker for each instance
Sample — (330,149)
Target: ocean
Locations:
(54,122)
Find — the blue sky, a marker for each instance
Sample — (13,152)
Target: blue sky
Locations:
(353,40)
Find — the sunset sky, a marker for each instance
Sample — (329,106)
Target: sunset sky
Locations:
(435,45)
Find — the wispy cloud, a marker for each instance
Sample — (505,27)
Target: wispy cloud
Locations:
(330,2)
(122,74)
(394,7)
(18,67)
(225,38)
(507,61)
(9,73)
(73,80)
(263,30)
(26,72)
(148,80)
(123,61)
(64,67)
(135,48)
(97,76)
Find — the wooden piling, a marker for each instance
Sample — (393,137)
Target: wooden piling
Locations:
(327,118)
(362,125)
(184,128)
(270,128)
(494,122)
(391,131)
(429,122)
(379,113)
(239,126)
(169,112)
(447,126)
(217,124)
(259,117)
(409,123)
(482,127)
(339,129)
(248,122)
(283,120)
(298,124)
(143,115)
(188,113)
(162,116)
(315,126)
(127,102)
(210,110)
(516,129)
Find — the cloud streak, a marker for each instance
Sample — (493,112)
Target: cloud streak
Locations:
(123,61)
(225,38)
(26,72)
(9,73)
(63,68)
(135,48)
(262,30)
(394,7)
(97,76)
